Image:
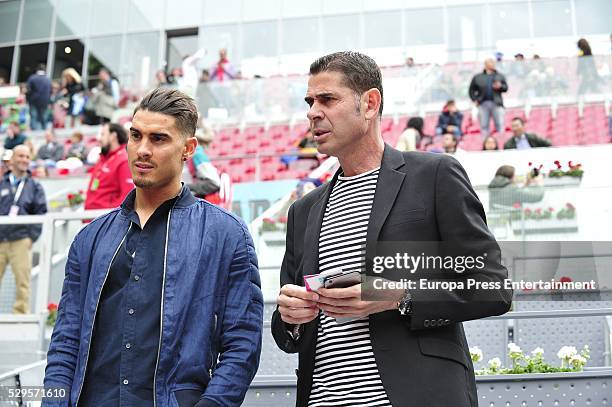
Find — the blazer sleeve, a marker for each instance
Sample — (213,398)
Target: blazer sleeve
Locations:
(280,329)
(462,226)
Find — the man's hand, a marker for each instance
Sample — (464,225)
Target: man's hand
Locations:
(346,302)
(296,305)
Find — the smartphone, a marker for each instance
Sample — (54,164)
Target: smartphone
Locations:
(343,280)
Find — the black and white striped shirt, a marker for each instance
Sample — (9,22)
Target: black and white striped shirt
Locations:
(345,371)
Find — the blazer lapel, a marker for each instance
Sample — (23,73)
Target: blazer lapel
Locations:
(313,230)
(389,183)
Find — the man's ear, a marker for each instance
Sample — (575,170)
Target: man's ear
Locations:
(372,99)
(190,146)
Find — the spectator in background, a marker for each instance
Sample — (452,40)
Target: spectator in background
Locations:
(106,97)
(223,69)
(586,70)
(189,68)
(205,76)
(521,140)
(450,120)
(77,147)
(450,143)
(111,179)
(504,192)
(38,96)
(205,177)
(410,139)
(518,67)
(71,87)
(14,136)
(52,151)
(162,79)
(20,195)
(486,91)
(490,144)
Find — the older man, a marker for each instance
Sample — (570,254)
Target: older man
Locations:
(161,303)
(407,348)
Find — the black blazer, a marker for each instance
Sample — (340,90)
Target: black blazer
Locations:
(423,359)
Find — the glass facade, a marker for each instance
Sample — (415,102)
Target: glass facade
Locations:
(134,38)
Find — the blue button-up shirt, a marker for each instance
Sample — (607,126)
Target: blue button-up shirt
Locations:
(125,341)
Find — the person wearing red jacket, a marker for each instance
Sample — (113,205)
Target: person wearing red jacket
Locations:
(111,179)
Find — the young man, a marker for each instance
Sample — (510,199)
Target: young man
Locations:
(161,304)
(111,179)
(20,195)
(408,349)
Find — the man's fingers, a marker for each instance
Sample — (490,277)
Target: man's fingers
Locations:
(298,316)
(298,313)
(349,292)
(294,302)
(291,290)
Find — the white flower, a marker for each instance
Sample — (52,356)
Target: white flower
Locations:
(514,348)
(567,352)
(577,360)
(476,354)
(537,352)
(494,363)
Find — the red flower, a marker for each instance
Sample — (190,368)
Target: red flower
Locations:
(52,307)
(551,209)
(530,163)
(569,164)
(282,219)
(269,221)
(70,197)
(81,192)
(527,210)
(569,206)
(538,211)
(516,205)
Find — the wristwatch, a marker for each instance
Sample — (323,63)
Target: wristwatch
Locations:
(404,305)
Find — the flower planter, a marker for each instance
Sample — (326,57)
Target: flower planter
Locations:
(564,181)
(591,387)
(540,226)
(274,238)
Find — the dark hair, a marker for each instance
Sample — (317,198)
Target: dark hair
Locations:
(360,71)
(584,46)
(173,103)
(41,67)
(520,119)
(505,171)
(449,102)
(118,129)
(416,123)
(485,142)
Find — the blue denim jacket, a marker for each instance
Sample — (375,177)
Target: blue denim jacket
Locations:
(212,307)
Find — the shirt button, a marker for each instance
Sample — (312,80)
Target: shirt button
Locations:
(128,345)
(125,381)
(131,311)
(136,278)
